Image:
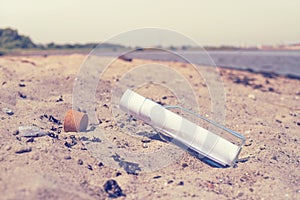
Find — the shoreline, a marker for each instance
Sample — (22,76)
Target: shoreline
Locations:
(85,52)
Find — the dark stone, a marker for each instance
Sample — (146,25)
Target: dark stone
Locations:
(30,140)
(24,150)
(181,183)
(16,132)
(100,164)
(257,86)
(112,188)
(9,112)
(60,99)
(160,103)
(184,165)
(118,174)
(68,158)
(22,85)
(54,120)
(90,167)
(271,89)
(23,96)
(145,140)
(156,177)
(53,128)
(80,162)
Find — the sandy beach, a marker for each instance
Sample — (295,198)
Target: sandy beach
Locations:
(38,90)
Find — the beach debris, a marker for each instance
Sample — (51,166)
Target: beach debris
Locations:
(23,96)
(129,167)
(112,188)
(75,121)
(163,119)
(8,111)
(23,150)
(31,131)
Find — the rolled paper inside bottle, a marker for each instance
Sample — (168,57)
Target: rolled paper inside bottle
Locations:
(195,137)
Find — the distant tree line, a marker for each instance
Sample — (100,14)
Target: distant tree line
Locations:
(10,39)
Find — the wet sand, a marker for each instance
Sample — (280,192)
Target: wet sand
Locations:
(39,89)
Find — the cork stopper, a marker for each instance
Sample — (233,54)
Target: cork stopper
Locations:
(75,121)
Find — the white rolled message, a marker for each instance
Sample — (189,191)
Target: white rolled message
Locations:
(193,136)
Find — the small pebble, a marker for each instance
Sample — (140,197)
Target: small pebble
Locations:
(8,111)
(60,99)
(22,85)
(90,167)
(112,188)
(23,96)
(30,140)
(80,162)
(23,150)
(181,183)
(68,158)
(118,174)
(184,165)
(144,145)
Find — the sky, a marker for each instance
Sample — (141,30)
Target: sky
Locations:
(208,22)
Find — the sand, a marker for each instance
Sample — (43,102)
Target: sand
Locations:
(39,90)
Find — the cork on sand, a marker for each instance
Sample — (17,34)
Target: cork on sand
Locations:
(75,121)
